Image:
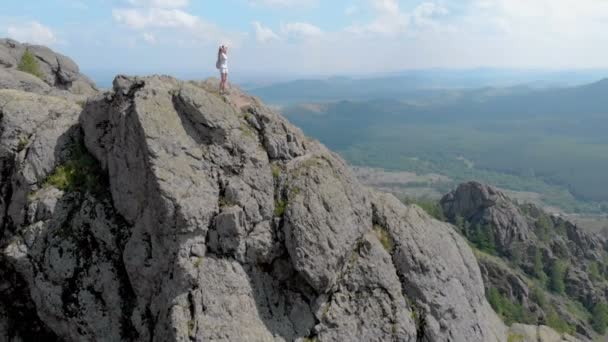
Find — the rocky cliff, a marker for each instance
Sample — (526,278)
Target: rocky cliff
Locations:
(536,255)
(161,211)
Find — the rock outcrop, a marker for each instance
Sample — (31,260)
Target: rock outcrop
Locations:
(59,75)
(212,221)
(534,242)
(162,211)
(482,204)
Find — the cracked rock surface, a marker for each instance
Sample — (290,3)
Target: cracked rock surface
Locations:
(211,218)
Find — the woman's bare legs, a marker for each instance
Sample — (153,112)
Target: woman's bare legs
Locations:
(223,82)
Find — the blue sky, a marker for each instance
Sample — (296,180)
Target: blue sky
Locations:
(314,37)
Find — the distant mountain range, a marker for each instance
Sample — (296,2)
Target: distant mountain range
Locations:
(415,84)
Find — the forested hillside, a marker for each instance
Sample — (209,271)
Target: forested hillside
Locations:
(548,141)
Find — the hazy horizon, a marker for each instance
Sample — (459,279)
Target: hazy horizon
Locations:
(499,77)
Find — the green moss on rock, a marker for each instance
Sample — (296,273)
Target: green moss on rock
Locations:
(80,173)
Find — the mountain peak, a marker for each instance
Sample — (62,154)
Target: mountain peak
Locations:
(163,211)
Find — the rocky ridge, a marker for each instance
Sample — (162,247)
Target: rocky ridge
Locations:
(162,211)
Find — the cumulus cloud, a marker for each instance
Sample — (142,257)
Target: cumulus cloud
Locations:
(301,30)
(263,34)
(566,17)
(379,35)
(390,7)
(32,32)
(155,17)
(391,19)
(288,31)
(165,18)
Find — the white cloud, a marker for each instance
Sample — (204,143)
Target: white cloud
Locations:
(160,3)
(545,17)
(424,16)
(284,3)
(391,20)
(264,34)
(301,30)
(390,35)
(390,7)
(32,32)
(288,31)
(166,21)
(155,17)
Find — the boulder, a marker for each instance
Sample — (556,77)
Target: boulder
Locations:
(58,72)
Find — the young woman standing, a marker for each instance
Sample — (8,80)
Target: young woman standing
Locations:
(222,65)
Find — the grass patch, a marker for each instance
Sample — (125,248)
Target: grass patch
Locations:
(81,173)
(198,261)
(419,318)
(312,162)
(247,131)
(515,337)
(276,171)
(23,141)
(279,207)
(385,238)
(295,191)
(29,64)
(224,202)
(431,207)
(191,327)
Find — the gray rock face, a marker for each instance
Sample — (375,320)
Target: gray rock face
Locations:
(428,253)
(60,75)
(63,246)
(34,135)
(213,219)
(324,200)
(368,304)
(482,204)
